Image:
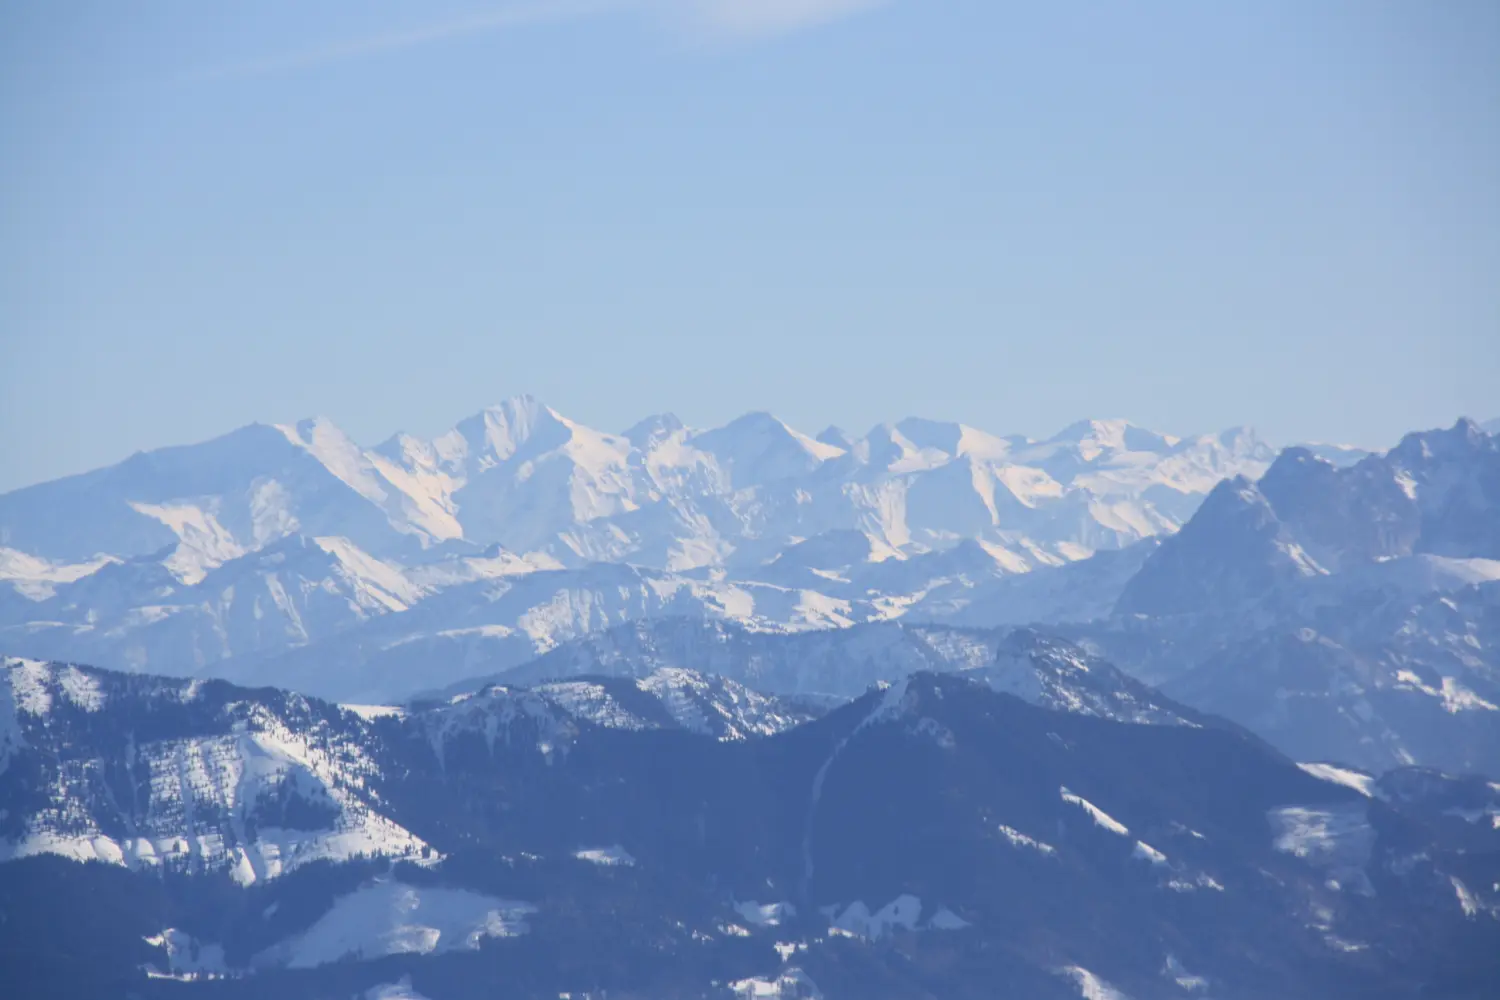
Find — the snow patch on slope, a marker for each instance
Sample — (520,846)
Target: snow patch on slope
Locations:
(375,581)
(1454,696)
(1019,839)
(186,958)
(1090,986)
(1330,835)
(388,917)
(1362,783)
(37,579)
(611,857)
(1099,816)
(29,681)
(399,990)
(904,913)
(792,984)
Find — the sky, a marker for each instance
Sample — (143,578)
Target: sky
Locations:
(1191,215)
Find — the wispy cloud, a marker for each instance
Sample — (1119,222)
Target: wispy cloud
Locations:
(714,19)
(759,18)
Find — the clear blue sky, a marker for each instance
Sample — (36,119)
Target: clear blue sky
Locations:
(1190,214)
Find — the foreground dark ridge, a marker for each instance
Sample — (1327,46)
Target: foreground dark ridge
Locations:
(937,837)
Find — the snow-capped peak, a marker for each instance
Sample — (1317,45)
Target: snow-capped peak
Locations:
(955,439)
(653,429)
(836,437)
(1096,438)
(758,448)
(498,433)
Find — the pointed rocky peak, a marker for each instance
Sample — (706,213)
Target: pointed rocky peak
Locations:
(1468,428)
(1340,455)
(1295,471)
(1235,510)
(1097,438)
(406,450)
(1144,439)
(1105,433)
(1463,440)
(310,432)
(756,421)
(939,435)
(1452,477)
(1244,443)
(1231,553)
(325,441)
(758,448)
(658,427)
(1088,445)
(885,447)
(760,426)
(523,423)
(952,438)
(835,436)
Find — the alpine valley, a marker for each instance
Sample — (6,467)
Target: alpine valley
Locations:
(533,710)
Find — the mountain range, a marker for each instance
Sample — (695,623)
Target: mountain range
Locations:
(1339,603)
(524,477)
(1012,829)
(291,555)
